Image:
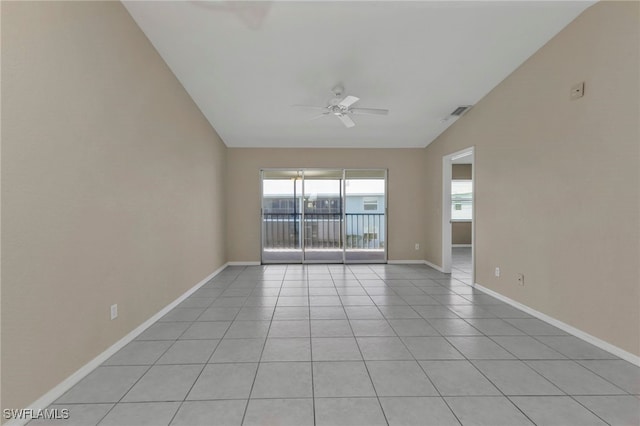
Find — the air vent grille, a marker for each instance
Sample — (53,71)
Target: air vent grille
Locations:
(460,110)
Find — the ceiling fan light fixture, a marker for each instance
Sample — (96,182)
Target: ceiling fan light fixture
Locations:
(337,91)
(342,108)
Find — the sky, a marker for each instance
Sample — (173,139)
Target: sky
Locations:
(352,186)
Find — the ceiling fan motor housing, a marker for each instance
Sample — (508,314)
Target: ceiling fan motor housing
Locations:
(341,107)
(338,110)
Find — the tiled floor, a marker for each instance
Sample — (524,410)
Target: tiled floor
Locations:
(461,263)
(353,345)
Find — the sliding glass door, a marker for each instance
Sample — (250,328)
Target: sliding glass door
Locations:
(323,216)
(281,216)
(365,215)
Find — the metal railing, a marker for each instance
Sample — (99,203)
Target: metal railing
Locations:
(364,231)
(281,230)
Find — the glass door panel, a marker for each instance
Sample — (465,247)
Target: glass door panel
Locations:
(281,216)
(322,216)
(365,216)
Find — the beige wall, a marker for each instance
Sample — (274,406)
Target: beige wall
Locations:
(461,232)
(557,181)
(461,171)
(405,198)
(112,188)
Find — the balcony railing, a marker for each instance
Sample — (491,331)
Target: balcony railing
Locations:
(281,230)
(364,231)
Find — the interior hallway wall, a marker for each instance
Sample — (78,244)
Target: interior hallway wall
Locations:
(461,231)
(557,190)
(113,188)
(405,197)
(461,171)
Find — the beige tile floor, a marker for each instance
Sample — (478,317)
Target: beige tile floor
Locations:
(353,345)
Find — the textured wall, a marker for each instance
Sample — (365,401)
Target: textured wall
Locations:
(405,198)
(112,188)
(557,181)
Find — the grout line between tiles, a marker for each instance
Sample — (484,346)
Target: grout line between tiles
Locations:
(208,359)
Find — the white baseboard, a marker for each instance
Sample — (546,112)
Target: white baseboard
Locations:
(627,356)
(244,263)
(461,245)
(433,265)
(405,262)
(48,398)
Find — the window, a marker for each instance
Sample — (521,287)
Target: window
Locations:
(461,199)
(286,206)
(370,204)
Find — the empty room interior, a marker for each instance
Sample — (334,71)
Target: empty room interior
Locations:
(320,213)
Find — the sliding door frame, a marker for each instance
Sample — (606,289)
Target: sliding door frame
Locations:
(343,224)
(261,216)
(386,216)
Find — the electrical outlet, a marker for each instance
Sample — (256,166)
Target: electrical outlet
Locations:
(497,272)
(114,311)
(521,279)
(417,246)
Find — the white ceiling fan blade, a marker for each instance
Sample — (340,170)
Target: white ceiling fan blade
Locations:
(318,108)
(369,111)
(346,120)
(348,101)
(318,116)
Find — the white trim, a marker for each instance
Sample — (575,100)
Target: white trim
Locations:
(433,265)
(473,213)
(446,212)
(461,245)
(48,398)
(627,356)
(447,162)
(244,263)
(405,262)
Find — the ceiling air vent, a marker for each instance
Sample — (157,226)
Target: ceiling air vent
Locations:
(460,110)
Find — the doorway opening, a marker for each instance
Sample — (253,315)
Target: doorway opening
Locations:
(458,214)
(323,216)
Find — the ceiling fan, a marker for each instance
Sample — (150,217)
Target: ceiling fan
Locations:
(341,108)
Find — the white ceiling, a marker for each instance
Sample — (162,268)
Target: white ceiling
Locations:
(246,63)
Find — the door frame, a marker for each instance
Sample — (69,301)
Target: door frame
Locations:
(447,163)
